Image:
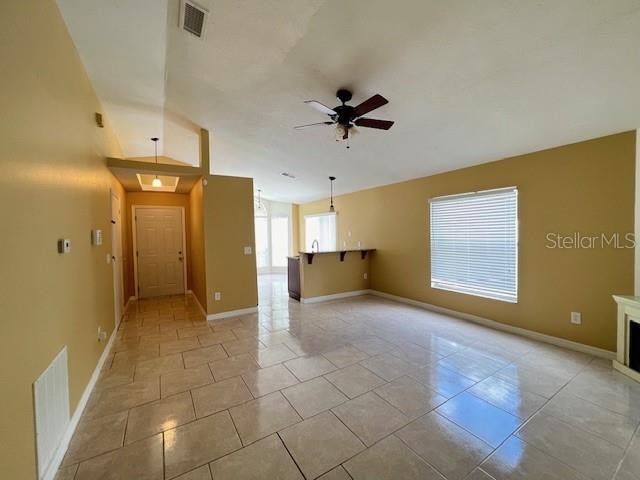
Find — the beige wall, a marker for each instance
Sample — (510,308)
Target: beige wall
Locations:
(295,228)
(161,199)
(196,226)
(327,275)
(54,184)
(228,228)
(586,187)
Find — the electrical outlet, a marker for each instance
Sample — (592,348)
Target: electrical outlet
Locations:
(216,296)
(64,245)
(365,276)
(247,250)
(576,318)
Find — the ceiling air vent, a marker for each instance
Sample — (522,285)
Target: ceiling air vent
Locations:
(193,18)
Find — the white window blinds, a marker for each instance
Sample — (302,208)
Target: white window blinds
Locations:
(474,244)
(322,228)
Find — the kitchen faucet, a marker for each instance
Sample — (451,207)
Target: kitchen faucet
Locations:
(317,244)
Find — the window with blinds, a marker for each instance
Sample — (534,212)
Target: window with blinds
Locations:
(321,227)
(474,243)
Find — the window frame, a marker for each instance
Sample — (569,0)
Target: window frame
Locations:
(470,290)
(335,227)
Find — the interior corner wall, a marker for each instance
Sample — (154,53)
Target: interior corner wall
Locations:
(54,185)
(229,228)
(586,187)
(162,199)
(295,229)
(198,262)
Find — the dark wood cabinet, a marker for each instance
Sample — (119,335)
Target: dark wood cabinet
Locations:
(293,277)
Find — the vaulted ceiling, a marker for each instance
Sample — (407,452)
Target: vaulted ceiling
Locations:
(467,81)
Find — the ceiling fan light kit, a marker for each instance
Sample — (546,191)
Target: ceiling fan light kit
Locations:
(345,117)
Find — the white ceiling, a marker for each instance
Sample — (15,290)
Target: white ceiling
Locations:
(468,82)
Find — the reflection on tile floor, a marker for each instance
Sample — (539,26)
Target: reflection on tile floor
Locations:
(362,388)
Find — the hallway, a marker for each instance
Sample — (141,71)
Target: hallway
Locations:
(361,388)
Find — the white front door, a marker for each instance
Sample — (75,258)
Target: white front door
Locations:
(116,257)
(160,251)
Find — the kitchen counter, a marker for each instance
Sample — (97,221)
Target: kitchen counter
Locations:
(318,276)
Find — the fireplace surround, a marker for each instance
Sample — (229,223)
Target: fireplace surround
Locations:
(627,359)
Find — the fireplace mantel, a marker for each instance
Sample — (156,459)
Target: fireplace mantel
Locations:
(628,311)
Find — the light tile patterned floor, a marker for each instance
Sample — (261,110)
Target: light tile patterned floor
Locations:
(362,388)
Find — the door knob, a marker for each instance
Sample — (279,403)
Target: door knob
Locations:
(180,258)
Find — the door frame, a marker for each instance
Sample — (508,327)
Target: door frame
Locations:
(118,240)
(135,246)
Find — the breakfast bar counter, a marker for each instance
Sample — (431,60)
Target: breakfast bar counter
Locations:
(326,275)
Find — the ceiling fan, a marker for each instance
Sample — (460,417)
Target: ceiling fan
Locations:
(345,117)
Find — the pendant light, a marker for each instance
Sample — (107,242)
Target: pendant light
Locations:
(260,210)
(156,183)
(331,207)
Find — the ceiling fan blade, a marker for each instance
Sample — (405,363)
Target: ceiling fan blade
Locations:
(320,107)
(299,127)
(373,123)
(371,104)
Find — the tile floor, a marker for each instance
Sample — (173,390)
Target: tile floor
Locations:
(362,388)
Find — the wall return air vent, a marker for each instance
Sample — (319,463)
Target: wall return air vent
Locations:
(193,18)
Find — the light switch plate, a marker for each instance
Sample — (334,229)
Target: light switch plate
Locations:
(247,250)
(96,237)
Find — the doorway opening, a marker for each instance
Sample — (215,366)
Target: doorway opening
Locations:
(116,258)
(159,250)
(273,228)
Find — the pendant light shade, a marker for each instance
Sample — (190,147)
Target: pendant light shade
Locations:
(156,182)
(260,208)
(332,209)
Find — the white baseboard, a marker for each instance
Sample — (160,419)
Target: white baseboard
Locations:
(626,370)
(73,422)
(232,313)
(335,296)
(541,337)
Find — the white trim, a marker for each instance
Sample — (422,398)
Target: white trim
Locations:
(232,313)
(56,461)
(335,296)
(119,258)
(184,243)
(626,370)
(541,337)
